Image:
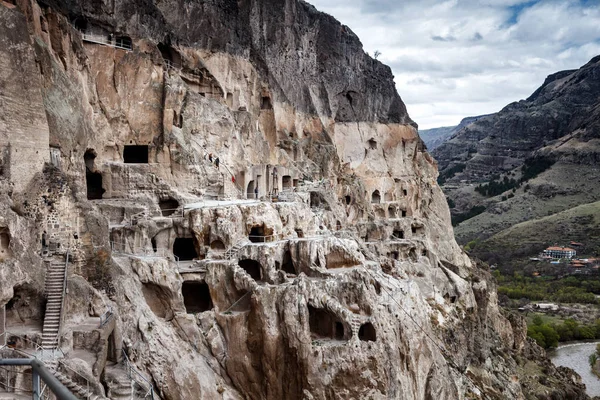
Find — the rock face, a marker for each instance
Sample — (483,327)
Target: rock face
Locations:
(314,260)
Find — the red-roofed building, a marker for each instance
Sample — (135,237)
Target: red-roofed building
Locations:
(560,252)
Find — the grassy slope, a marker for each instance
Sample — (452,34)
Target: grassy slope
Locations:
(581,223)
(560,188)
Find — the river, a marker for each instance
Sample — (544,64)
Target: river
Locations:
(575,356)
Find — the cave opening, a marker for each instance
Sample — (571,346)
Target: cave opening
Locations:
(257,234)
(168,206)
(288,263)
(253,268)
(135,154)
(403,213)
(4,241)
(376,197)
(286,182)
(217,245)
(405,192)
(185,249)
(265,103)
(250,191)
(348,200)
(392,212)
(372,144)
(398,234)
(338,225)
(323,324)
(153,242)
(389,197)
(395,255)
(177,120)
(367,333)
(196,297)
(93,179)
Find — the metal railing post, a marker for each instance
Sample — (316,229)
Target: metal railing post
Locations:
(35,384)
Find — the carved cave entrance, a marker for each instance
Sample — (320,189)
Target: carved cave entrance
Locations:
(288,263)
(398,234)
(257,234)
(185,249)
(286,182)
(376,197)
(168,206)
(217,245)
(253,268)
(323,324)
(366,332)
(135,154)
(4,242)
(196,297)
(250,190)
(93,179)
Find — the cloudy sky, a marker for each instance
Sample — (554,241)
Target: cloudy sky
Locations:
(459,58)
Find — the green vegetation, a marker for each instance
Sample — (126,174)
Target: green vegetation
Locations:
(567,290)
(530,169)
(548,335)
(450,172)
(458,218)
(594,357)
(451,203)
(496,187)
(535,166)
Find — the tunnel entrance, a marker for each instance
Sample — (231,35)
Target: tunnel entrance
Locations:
(4,242)
(250,190)
(168,206)
(376,197)
(366,332)
(157,298)
(185,249)
(288,263)
(217,245)
(253,268)
(196,297)
(257,234)
(135,154)
(323,324)
(286,182)
(93,179)
(398,234)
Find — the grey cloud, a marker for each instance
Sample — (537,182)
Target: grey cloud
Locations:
(448,38)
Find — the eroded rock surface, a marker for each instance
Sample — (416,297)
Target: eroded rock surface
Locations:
(316,261)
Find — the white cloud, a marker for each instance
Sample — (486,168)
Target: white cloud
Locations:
(458,58)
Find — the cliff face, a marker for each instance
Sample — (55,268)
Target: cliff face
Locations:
(342,279)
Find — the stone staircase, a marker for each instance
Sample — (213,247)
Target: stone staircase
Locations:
(119,384)
(55,281)
(80,391)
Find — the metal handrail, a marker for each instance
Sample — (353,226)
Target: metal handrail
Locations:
(90,37)
(129,368)
(87,382)
(40,371)
(39,351)
(64,293)
(104,318)
(121,248)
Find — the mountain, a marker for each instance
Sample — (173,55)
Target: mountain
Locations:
(436,136)
(535,158)
(228,200)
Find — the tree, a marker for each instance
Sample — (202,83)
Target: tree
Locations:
(376,54)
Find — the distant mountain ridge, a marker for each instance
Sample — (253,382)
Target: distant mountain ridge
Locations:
(535,158)
(435,137)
